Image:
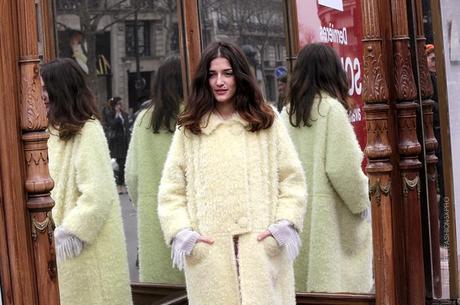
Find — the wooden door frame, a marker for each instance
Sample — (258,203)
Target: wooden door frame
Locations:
(28,265)
(25,185)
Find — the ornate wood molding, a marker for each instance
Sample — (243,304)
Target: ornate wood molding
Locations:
(410,220)
(378,189)
(38,183)
(378,149)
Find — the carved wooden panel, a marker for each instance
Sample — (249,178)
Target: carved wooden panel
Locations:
(378,149)
(410,221)
(18,276)
(38,183)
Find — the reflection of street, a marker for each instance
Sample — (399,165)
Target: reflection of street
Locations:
(130,224)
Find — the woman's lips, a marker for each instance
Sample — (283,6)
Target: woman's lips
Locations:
(221,92)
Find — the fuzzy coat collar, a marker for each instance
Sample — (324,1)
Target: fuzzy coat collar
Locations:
(211,121)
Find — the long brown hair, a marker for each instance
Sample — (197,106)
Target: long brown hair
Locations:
(248,100)
(167,95)
(318,68)
(71,102)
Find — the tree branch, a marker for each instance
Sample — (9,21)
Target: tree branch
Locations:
(116,20)
(65,26)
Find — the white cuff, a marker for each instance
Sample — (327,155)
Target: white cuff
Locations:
(67,245)
(183,245)
(286,236)
(366,214)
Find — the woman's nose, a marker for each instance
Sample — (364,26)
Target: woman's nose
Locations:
(219,80)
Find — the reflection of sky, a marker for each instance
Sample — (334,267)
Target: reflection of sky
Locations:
(309,23)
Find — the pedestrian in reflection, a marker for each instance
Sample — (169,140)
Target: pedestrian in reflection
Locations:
(150,140)
(281,82)
(89,238)
(337,248)
(118,138)
(232,195)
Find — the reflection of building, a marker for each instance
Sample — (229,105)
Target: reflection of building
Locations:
(113,28)
(257,25)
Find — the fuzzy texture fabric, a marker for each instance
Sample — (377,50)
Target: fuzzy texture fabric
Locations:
(87,206)
(231,183)
(146,156)
(336,253)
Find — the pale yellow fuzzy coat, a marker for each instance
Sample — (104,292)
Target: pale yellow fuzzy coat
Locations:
(336,255)
(225,183)
(146,156)
(87,205)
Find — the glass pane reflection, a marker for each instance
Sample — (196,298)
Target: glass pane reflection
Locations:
(121,45)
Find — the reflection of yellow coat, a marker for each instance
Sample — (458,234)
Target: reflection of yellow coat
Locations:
(87,206)
(230,182)
(336,255)
(146,156)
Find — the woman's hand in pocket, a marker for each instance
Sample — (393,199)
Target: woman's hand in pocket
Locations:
(206,240)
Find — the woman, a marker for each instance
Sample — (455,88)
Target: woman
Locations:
(151,137)
(118,137)
(337,248)
(89,237)
(232,180)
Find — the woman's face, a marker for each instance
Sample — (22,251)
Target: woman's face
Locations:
(222,80)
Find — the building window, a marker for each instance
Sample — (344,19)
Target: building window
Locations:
(143,38)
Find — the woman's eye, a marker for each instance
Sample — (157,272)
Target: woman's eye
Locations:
(228,73)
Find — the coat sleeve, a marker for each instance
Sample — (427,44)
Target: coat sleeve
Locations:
(172,200)
(131,166)
(292,186)
(95,184)
(343,161)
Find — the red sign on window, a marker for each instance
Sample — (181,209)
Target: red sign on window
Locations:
(338,24)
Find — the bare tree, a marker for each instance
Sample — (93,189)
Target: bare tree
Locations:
(167,9)
(90,14)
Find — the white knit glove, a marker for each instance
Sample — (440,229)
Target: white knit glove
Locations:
(286,236)
(183,245)
(67,245)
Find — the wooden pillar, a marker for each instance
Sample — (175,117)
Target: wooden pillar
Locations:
(38,183)
(17,269)
(378,151)
(426,91)
(409,149)
(189,39)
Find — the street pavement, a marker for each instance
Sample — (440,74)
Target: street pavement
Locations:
(130,225)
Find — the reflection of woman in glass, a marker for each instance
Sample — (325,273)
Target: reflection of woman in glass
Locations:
(232,180)
(337,248)
(75,43)
(151,137)
(89,237)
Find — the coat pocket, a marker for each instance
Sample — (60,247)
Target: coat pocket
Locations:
(271,247)
(199,253)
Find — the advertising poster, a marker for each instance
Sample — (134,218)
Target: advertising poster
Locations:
(338,24)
